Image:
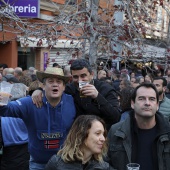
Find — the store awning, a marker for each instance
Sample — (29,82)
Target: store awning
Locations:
(38,42)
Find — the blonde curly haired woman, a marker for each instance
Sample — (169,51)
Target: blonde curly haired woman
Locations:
(84,146)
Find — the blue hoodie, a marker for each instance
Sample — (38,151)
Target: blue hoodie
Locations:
(47,126)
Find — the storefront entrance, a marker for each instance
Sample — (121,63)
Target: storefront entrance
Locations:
(26,59)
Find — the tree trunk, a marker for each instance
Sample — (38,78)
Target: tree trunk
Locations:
(93,36)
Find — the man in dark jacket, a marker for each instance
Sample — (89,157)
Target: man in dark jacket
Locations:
(99,98)
(144,137)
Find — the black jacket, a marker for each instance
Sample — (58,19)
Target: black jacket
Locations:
(120,144)
(105,105)
(56,163)
(116,84)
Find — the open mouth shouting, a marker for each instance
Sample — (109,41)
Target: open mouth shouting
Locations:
(55,91)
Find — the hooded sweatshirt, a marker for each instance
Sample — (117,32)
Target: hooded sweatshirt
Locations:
(47,126)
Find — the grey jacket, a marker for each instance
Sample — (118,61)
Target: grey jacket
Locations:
(120,144)
(56,163)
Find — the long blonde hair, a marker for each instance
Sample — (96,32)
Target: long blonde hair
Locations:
(71,150)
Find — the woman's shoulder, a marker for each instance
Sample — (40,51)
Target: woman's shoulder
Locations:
(101,165)
(57,163)
(53,162)
(55,158)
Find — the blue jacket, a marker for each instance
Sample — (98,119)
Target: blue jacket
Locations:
(47,126)
(14,131)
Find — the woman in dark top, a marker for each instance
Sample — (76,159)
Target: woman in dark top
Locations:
(84,147)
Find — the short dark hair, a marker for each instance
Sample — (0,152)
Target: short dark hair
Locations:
(3,66)
(125,99)
(163,79)
(147,85)
(56,65)
(79,64)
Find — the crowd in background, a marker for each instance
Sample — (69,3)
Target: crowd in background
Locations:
(125,78)
(119,79)
(111,98)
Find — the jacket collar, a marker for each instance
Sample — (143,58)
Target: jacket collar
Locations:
(123,131)
(162,124)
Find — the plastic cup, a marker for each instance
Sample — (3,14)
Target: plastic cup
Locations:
(5,90)
(5,98)
(81,84)
(133,166)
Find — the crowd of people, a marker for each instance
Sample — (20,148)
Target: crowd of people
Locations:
(54,124)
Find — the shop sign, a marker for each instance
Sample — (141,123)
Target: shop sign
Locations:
(22,8)
(45,60)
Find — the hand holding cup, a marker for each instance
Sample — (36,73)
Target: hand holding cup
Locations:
(82,84)
(88,90)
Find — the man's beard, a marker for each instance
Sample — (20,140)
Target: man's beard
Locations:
(76,84)
(160,92)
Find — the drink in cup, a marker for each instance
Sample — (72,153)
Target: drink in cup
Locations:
(5,98)
(81,84)
(5,90)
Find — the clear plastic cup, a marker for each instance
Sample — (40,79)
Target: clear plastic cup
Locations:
(81,84)
(5,98)
(133,166)
(5,92)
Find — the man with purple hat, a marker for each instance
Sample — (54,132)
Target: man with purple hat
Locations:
(47,126)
